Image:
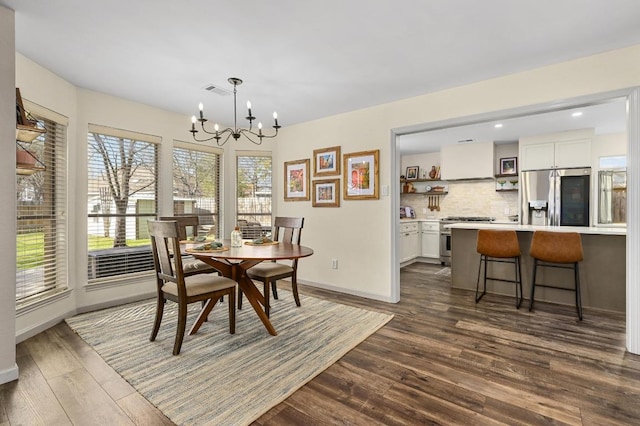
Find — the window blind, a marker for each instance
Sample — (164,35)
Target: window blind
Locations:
(197,184)
(41,238)
(122,197)
(253,185)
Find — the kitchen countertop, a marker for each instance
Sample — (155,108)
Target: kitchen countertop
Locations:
(531,228)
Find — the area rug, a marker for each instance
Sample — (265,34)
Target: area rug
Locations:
(219,378)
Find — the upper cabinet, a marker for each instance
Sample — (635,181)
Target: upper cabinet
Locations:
(472,160)
(560,150)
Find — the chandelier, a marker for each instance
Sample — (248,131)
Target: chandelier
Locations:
(236,131)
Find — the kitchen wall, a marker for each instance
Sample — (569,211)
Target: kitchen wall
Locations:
(464,198)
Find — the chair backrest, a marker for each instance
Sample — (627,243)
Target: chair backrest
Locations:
(288,229)
(185,222)
(165,239)
(498,243)
(556,247)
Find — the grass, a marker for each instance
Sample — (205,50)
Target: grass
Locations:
(30,248)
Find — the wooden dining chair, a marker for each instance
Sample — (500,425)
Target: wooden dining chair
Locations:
(188,225)
(288,230)
(173,285)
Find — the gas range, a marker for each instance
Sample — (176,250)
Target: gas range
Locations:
(445,233)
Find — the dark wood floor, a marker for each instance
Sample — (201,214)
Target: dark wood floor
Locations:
(441,360)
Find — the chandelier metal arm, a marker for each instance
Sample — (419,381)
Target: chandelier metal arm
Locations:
(236,131)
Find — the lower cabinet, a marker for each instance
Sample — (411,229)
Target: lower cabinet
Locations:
(430,233)
(409,241)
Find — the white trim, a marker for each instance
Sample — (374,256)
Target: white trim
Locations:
(633,226)
(9,375)
(45,112)
(252,153)
(197,147)
(343,290)
(122,133)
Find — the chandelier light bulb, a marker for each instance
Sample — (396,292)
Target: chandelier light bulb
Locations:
(200,107)
(260,125)
(216,127)
(275,115)
(193,119)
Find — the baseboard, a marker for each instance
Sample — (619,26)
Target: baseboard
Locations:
(346,291)
(9,375)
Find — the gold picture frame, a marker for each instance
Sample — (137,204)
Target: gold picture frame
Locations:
(361,177)
(326,161)
(326,193)
(296,180)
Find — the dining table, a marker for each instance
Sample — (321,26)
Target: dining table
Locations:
(233,262)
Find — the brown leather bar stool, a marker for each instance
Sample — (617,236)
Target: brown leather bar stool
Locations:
(557,250)
(501,247)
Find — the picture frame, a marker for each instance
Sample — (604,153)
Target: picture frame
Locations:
(296,180)
(326,193)
(509,166)
(361,177)
(412,172)
(326,161)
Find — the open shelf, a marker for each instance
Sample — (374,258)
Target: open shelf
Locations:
(28,133)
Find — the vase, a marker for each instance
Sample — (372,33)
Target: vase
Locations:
(433,172)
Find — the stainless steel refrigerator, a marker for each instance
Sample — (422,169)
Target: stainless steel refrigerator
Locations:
(556,197)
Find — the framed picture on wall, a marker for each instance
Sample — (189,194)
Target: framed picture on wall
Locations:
(326,193)
(360,175)
(296,180)
(413,172)
(509,166)
(326,161)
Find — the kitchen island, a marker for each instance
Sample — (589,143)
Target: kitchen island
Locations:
(602,272)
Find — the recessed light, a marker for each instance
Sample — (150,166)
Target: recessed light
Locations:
(577,114)
(498,126)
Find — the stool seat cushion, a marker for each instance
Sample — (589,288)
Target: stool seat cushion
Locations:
(557,247)
(498,243)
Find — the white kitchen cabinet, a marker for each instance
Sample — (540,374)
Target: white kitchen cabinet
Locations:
(472,160)
(430,239)
(409,241)
(553,155)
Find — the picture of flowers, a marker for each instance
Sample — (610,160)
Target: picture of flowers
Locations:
(296,180)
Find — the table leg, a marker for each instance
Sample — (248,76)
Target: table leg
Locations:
(255,298)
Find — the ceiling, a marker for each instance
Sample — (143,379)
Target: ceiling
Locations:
(605,118)
(307,60)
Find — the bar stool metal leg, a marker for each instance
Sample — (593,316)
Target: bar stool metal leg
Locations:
(533,284)
(518,282)
(483,258)
(578,296)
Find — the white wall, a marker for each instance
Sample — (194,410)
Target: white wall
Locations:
(8,367)
(359,233)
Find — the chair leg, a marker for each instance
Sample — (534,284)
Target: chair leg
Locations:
(578,296)
(232,311)
(158,320)
(239,298)
(518,282)
(182,325)
(533,284)
(294,287)
(265,293)
(274,290)
(482,258)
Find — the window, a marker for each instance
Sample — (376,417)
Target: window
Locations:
(122,197)
(196,184)
(41,237)
(253,183)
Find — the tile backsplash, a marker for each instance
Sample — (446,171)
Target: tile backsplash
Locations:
(466,198)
